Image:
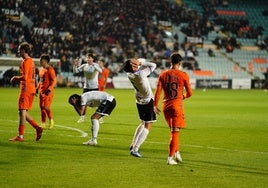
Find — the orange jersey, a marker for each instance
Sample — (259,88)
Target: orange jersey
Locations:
(27,84)
(48,79)
(103,76)
(27,81)
(173,82)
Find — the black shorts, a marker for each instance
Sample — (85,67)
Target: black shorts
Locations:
(146,111)
(87,90)
(106,108)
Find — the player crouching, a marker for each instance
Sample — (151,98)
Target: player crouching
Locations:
(105,104)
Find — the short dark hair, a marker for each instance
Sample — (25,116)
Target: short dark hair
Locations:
(90,55)
(77,105)
(45,57)
(127,66)
(26,47)
(175,58)
(77,97)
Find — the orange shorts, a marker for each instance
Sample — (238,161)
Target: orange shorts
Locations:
(174,118)
(25,101)
(45,101)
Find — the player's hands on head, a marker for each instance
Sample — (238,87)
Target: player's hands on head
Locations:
(135,64)
(72,101)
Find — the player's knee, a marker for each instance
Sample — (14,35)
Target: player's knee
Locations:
(174,129)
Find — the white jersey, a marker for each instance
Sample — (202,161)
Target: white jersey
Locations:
(91,73)
(95,98)
(140,82)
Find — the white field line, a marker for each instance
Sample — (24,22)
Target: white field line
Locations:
(84,134)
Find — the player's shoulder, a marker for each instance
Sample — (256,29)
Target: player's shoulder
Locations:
(165,72)
(49,68)
(28,61)
(184,73)
(181,72)
(83,65)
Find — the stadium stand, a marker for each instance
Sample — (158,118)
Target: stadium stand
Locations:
(236,31)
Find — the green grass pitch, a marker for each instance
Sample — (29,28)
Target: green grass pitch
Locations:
(225,144)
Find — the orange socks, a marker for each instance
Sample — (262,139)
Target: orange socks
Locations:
(33,123)
(43,115)
(21,130)
(173,143)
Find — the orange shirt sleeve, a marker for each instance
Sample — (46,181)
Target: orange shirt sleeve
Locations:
(48,79)
(187,87)
(158,91)
(103,76)
(52,78)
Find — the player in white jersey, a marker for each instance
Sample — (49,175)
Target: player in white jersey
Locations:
(91,72)
(105,104)
(138,71)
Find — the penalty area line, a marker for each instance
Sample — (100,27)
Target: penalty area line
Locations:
(83,133)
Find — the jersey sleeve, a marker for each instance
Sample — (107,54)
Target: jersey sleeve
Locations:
(97,67)
(147,67)
(52,77)
(187,86)
(83,100)
(77,69)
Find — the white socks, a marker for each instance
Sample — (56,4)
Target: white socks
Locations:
(137,133)
(141,138)
(95,128)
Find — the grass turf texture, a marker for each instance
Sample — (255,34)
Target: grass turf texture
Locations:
(225,144)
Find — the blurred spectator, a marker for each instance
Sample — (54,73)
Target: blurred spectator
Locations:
(265,84)
(211,53)
(6,75)
(115,30)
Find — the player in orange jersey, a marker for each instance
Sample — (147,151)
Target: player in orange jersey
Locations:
(173,82)
(103,76)
(47,82)
(27,92)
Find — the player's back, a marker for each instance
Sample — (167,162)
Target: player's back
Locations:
(95,98)
(27,69)
(142,87)
(173,82)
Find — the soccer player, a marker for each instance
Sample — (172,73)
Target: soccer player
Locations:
(103,76)
(47,82)
(27,92)
(173,82)
(91,71)
(105,104)
(138,71)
